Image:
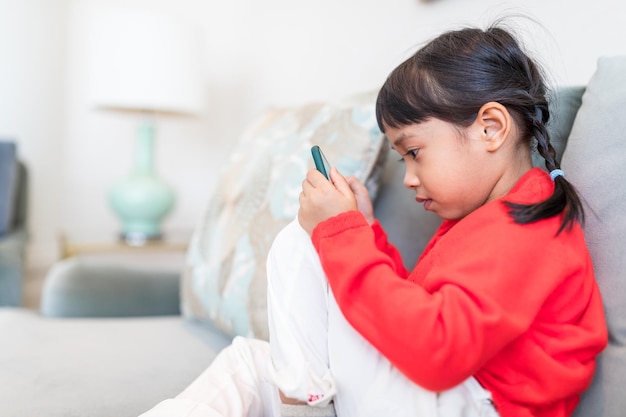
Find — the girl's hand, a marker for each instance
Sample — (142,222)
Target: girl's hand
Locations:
(363,199)
(321,199)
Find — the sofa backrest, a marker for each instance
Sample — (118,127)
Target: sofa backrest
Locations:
(595,162)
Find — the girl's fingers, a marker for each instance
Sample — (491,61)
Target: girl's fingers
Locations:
(340,182)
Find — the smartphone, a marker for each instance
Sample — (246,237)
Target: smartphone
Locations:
(321,163)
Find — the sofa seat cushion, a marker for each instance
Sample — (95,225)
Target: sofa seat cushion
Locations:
(60,368)
(595,162)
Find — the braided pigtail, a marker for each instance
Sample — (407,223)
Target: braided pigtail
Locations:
(564,199)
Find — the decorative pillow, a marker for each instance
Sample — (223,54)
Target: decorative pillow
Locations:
(257,195)
(595,162)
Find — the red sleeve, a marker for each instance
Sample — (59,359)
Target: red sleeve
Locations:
(383,244)
(483,283)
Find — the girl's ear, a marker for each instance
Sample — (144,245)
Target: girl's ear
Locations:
(495,122)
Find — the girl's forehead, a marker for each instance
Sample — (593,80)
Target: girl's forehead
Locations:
(423,130)
(425,134)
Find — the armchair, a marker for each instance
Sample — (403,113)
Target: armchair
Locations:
(13,232)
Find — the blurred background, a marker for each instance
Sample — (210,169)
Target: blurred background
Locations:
(252,55)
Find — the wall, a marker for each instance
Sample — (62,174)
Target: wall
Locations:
(258,54)
(32,90)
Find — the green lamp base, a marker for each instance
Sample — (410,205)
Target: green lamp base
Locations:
(142,200)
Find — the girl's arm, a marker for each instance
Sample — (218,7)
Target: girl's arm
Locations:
(383,244)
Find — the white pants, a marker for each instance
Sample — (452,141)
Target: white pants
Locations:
(314,355)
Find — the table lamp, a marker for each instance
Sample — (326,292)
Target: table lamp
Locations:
(147,64)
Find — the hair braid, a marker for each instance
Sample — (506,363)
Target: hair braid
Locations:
(564,199)
(544,147)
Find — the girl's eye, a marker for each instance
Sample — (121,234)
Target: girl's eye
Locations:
(412,154)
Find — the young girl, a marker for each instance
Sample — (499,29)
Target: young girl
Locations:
(500,316)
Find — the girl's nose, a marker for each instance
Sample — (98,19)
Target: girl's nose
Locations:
(411,180)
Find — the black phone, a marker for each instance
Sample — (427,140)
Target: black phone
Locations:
(321,163)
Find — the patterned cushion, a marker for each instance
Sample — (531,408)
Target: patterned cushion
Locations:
(257,195)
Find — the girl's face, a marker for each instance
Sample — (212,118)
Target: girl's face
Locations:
(450,172)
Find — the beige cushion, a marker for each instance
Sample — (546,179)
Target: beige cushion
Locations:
(257,195)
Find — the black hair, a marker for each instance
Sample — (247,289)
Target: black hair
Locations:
(454,75)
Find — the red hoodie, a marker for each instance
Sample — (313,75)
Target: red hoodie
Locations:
(515,306)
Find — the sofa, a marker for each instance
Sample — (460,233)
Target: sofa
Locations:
(114,340)
(13,232)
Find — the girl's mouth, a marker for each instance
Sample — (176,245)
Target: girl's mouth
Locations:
(426,201)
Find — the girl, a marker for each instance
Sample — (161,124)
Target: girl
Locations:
(500,316)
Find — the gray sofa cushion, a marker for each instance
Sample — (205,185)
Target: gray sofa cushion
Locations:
(595,162)
(93,287)
(8,185)
(98,367)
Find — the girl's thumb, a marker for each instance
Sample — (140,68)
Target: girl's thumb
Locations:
(340,182)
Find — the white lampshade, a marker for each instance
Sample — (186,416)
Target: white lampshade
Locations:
(149,63)
(144,61)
